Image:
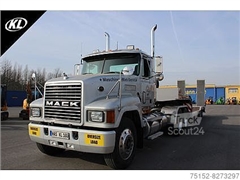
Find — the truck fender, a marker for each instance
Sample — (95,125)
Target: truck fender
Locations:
(133,113)
(37,103)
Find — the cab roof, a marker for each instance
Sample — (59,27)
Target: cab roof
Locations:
(137,51)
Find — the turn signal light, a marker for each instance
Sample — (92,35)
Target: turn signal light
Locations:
(110,117)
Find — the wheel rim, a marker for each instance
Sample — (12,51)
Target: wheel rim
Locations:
(126,144)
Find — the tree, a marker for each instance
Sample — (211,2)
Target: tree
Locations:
(16,79)
(6,72)
(57,73)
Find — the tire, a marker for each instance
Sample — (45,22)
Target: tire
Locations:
(125,146)
(24,114)
(25,118)
(4,115)
(49,150)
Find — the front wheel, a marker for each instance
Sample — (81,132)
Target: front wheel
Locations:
(125,146)
(49,150)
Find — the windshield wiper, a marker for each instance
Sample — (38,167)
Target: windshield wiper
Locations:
(112,72)
(86,73)
(104,60)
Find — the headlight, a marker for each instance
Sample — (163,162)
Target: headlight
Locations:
(35,112)
(96,116)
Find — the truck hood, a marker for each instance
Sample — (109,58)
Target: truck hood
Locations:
(98,86)
(100,77)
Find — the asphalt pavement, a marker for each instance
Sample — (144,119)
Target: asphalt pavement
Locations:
(213,145)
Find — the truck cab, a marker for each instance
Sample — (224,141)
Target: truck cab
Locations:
(109,109)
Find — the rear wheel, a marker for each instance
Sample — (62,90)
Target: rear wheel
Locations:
(49,150)
(125,146)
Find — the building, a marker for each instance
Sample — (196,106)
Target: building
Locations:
(15,98)
(232,91)
(211,91)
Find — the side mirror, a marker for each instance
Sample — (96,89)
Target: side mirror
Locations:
(128,70)
(158,65)
(33,76)
(159,77)
(77,69)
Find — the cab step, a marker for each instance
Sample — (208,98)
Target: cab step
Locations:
(154,136)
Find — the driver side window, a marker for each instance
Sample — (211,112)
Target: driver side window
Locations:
(146,68)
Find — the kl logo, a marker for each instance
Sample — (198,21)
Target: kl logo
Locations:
(16,24)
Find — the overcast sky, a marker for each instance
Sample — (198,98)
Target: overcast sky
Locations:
(194,44)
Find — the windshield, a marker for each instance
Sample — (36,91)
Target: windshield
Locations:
(111,63)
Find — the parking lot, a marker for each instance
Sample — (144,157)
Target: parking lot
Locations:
(217,148)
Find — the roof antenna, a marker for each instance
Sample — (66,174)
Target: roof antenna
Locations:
(81,54)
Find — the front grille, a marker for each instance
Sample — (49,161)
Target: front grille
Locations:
(63,102)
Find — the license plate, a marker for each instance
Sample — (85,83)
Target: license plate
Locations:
(34,131)
(94,139)
(62,135)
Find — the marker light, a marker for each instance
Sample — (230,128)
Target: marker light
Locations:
(131,47)
(111,116)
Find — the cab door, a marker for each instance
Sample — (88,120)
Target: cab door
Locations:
(147,85)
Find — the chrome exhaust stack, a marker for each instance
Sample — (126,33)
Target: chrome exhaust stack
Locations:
(107,41)
(153,40)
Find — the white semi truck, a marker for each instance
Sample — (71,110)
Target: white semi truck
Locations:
(109,109)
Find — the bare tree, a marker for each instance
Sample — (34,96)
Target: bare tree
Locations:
(19,77)
(6,72)
(41,76)
(16,79)
(25,73)
(15,82)
(57,73)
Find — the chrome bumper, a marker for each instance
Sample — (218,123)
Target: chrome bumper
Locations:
(91,141)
